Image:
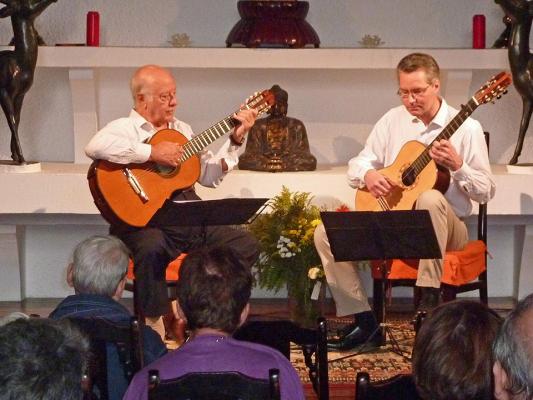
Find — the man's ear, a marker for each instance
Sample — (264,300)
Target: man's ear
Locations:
(120,289)
(180,312)
(500,382)
(70,275)
(436,83)
(244,314)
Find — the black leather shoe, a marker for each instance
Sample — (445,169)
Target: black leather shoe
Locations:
(364,329)
(356,337)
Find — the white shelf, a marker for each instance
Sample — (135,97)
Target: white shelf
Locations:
(244,58)
(61,188)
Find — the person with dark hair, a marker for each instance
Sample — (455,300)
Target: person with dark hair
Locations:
(513,354)
(278,143)
(213,294)
(41,359)
(422,117)
(452,354)
(127,141)
(98,274)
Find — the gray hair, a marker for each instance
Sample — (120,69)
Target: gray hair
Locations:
(513,348)
(99,264)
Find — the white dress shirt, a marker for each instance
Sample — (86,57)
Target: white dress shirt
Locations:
(123,141)
(473,181)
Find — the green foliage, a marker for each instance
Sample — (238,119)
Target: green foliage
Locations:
(285,236)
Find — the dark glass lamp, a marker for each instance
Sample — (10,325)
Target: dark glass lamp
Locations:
(273,24)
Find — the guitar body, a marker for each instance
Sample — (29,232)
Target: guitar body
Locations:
(115,197)
(403,197)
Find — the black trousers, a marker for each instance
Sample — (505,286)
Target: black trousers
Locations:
(153,248)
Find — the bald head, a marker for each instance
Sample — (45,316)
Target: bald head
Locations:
(146,77)
(154,94)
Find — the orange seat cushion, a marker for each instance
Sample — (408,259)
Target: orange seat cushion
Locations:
(460,267)
(172,272)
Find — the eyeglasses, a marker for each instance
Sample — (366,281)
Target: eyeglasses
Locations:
(166,97)
(416,93)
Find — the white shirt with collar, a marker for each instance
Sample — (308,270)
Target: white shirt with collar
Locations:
(123,141)
(473,181)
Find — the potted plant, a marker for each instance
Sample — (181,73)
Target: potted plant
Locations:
(288,257)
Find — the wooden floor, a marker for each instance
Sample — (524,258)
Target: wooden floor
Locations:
(275,308)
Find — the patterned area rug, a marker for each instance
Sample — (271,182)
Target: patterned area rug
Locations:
(380,362)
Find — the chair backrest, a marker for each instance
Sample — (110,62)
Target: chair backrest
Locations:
(214,385)
(400,387)
(279,334)
(126,338)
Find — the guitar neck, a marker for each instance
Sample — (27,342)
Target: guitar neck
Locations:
(424,158)
(204,139)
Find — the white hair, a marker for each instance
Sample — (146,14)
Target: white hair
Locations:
(99,263)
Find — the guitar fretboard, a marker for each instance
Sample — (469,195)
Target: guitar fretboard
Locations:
(204,139)
(424,158)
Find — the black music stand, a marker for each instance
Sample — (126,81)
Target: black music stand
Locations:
(386,235)
(204,213)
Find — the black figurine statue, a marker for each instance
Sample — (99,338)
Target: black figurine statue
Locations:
(17,66)
(520,13)
(503,40)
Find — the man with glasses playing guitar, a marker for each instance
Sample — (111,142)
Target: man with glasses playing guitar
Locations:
(127,142)
(422,117)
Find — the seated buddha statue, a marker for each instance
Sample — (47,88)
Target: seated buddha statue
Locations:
(277,143)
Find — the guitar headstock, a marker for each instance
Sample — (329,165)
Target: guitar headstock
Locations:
(261,101)
(493,88)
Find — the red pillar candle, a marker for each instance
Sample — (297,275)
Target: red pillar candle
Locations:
(93,28)
(478,32)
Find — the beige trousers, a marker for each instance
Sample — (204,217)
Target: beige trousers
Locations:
(343,277)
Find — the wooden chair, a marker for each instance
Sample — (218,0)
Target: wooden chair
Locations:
(400,387)
(127,338)
(214,385)
(279,334)
(171,277)
(463,271)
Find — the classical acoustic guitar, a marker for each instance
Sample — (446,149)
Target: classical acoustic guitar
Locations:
(413,170)
(132,193)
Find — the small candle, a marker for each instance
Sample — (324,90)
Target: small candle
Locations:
(93,28)
(478,32)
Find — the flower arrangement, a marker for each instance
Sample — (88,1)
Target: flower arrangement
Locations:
(288,256)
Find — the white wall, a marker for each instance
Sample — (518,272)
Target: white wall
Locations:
(337,107)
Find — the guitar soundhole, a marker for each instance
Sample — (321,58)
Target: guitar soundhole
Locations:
(164,170)
(408,176)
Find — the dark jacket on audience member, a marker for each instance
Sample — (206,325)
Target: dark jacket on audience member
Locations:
(90,306)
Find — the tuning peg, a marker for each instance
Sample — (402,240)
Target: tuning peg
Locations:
(505,91)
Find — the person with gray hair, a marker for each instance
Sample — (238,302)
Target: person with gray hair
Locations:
(98,274)
(42,359)
(513,354)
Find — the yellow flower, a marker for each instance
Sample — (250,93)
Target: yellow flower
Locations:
(315,273)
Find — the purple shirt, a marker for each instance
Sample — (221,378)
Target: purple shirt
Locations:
(208,353)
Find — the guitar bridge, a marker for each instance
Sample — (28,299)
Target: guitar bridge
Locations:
(135,185)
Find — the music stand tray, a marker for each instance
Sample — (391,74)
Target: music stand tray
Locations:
(386,235)
(205,213)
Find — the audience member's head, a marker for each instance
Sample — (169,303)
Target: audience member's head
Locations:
(214,289)
(513,354)
(41,359)
(99,266)
(452,354)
